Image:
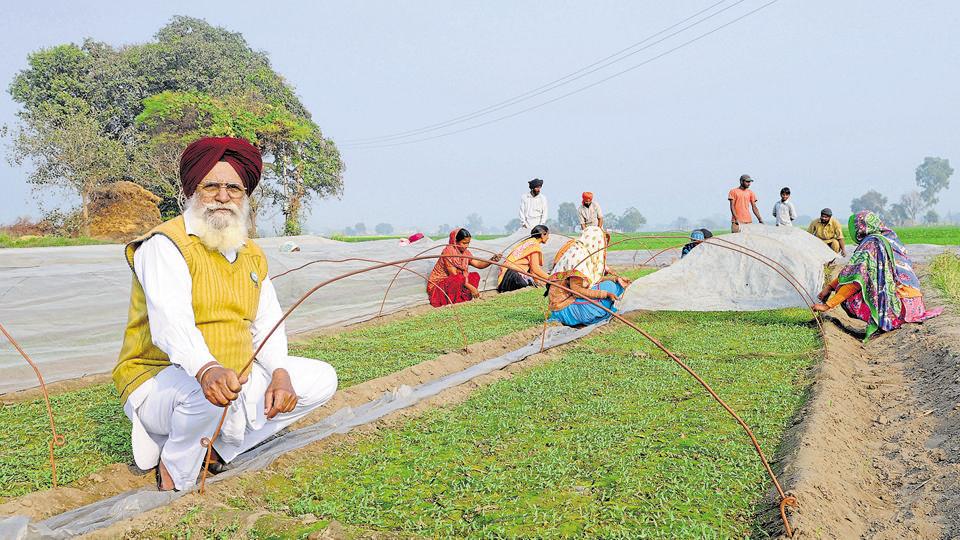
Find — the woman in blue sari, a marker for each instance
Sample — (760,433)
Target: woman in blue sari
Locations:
(581,266)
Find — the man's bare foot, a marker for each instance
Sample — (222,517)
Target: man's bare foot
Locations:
(164,480)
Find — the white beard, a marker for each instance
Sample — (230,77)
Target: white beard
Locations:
(219,231)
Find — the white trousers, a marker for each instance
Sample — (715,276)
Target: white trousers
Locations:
(170,416)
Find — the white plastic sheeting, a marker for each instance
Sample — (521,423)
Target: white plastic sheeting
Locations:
(715,278)
(127,505)
(68,306)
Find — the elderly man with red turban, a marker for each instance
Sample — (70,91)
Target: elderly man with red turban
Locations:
(201,303)
(589,212)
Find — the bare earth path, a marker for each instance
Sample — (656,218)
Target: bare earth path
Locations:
(877,453)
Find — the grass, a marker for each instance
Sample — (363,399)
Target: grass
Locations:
(8,241)
(622,242)
(945,275)
(943,235)
(610,441)
(98,433)
(948,235)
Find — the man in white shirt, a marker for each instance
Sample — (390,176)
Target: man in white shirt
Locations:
(533,206)
(783,210)
(201,306)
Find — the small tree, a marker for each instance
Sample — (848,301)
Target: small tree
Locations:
(475,223)
(931,218)
(681,224)
(360,228)
(384,229)
(567,216)
(631,220)
(512,225)
(872,201)
(69,152)
(908,209)
(933,175)
(611,221)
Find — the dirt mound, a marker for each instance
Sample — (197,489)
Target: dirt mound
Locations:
(876,453)
(122,211)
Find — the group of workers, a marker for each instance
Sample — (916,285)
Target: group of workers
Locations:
(202,302)
(742,200)
(876,285)
(579,271)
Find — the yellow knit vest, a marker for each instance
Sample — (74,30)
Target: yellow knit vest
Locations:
(225,300)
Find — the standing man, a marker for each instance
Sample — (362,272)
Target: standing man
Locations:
(533,206)
(829,230)
(201,303)
(742,199)
(784,211)
(590,213)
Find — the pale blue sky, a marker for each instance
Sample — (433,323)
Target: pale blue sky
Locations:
(830,98)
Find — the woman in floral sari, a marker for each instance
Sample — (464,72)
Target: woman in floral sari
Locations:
(526,257)
(581,265)
(451,280)
(878,285)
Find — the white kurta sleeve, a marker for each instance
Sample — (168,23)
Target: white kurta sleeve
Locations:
(274,352)
(523,212)
(546,211)
(168,289)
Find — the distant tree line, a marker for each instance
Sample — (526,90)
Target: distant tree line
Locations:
(94,114)
(916,206)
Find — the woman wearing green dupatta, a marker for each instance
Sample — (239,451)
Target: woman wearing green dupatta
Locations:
(878,284)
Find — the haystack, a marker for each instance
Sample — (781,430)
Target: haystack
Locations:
(121,211)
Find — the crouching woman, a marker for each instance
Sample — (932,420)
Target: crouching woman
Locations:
(581,267)
(451,281)
(878,285)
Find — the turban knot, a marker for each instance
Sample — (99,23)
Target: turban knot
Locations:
(200,157)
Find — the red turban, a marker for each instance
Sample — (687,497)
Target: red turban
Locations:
(200,157)
(587,196)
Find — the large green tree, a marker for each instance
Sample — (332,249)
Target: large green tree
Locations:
(193,79)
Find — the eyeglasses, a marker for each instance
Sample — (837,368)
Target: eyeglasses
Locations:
(212,188)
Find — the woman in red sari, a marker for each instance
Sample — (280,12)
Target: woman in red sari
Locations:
(451,280)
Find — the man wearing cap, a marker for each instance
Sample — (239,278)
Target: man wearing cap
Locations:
(533,206)
(590,213)
(201,303)
(828,229)
(742,199)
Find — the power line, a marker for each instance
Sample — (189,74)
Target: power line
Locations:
(577,91)
(566,79)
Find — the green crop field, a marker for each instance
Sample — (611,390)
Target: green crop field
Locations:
(98,433)
(8,241)
(612,440)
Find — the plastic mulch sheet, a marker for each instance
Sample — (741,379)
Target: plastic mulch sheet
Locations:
(130,504)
